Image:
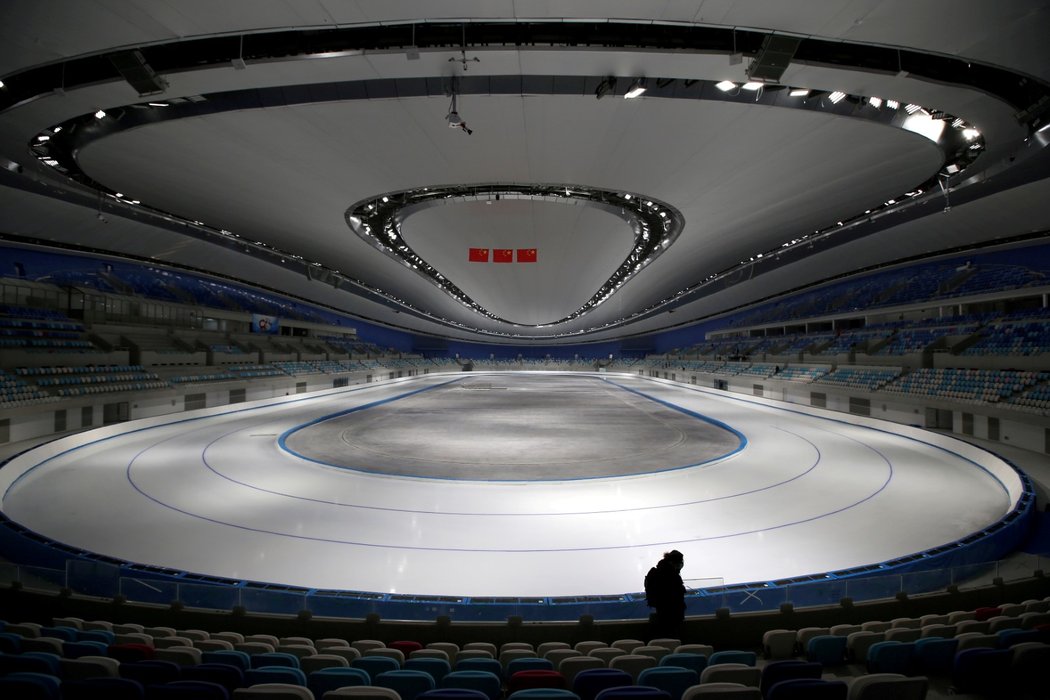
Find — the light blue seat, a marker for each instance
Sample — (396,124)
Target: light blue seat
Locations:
(891,657)
(827,649)
(374,665)
(733,656)
(696,662)
(325,679)
(673,679)
(437,668)
(484,681)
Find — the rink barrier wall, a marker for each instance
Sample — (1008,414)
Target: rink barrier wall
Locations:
(64,567)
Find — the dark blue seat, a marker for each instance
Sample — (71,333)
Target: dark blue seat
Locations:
(407,683)
(437,668)
(240,659)
(981,671)
(66,634)
(274,658)
(633,692)
(1007,638)
(490,665)
(453,694)
(13,663)
(589,682)
(227,675)
(26,685)
(274,674)
(325,679)
(788,670)
(935,655)
(104,636)
(808,689)
(151,671)
(375,665)
(10,643)
(187,690)
(540,694)
(74,650)
(527,664)
(108,688)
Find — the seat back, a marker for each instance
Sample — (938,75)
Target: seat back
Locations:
(808,689)
(827,649)
(588,683)
(634,664)
(981,671)
(732,673)
(733,656)
(573,666)
(674,680)
(935,656)
(275,674)
(535,678)
(888,686)
(891,657)
(695,662)
(437,668)
(109,688)
(374,665)
(408,684)
(226,675)
(788,670)
(325,679)
(152,671)
(483,681)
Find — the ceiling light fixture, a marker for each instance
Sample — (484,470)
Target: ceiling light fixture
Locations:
(726,85)
(100,114)
(893,104)
(799,92)
(912,108)
(836,97)
(636,90)
(875,102)
(752,85)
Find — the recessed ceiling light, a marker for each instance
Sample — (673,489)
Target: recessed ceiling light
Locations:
(799,92)
(893,104)
(875,102)
(100,114)
(751,85)
(725,85)
(836,97)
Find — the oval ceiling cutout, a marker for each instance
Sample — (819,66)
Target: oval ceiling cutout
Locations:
(492,243)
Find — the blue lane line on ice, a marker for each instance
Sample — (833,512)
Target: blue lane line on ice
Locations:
(832,419)
(742,443)
(133,431)
(413,511)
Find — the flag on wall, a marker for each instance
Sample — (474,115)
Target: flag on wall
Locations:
(526,255)
(503,255)
(479,255)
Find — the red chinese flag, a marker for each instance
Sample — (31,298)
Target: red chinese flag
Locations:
(503,255)
(479,255)
(526,255)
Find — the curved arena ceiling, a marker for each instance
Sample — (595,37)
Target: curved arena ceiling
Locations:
(283,138)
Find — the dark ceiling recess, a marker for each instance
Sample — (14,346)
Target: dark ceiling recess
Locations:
(1019,90)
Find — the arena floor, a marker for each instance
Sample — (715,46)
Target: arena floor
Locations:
(494,484)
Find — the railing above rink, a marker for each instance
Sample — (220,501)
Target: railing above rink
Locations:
(710,597)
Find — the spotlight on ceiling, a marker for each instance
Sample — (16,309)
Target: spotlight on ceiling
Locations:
(893,104)
(636,90)
(454,120)
(726,85)
(2,85)
(101,114)
(875,102)
(836,97)
(752,85)
(912,108)
(799,92)
(970,134)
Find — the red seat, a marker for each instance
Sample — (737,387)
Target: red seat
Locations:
(536,678)
(406,647)
(982,614)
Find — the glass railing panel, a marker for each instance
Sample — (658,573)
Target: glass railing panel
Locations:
(39,578)
(93,578)
(272,601)
(209,597)
(142,590)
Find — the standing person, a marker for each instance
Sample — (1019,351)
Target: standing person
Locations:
(665,592)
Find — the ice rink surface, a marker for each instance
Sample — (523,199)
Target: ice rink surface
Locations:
(507,485)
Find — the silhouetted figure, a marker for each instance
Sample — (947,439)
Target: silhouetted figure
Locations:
(665,592)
